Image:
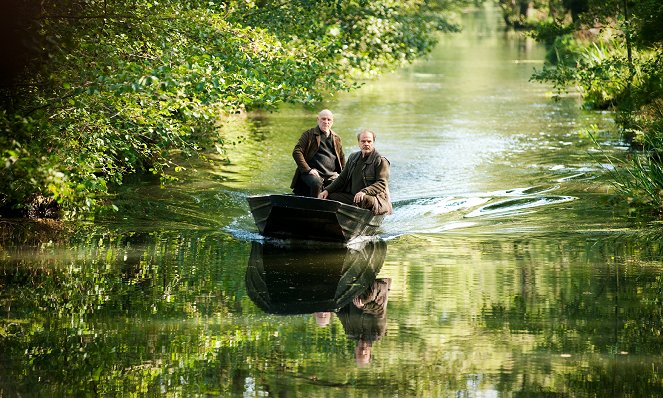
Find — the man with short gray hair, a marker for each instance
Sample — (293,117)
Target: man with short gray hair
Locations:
(319,157)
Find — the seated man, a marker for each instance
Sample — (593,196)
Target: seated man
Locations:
(319,157)
(365,179)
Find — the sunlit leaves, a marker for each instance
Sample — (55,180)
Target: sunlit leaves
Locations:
(122,86)
(613,55)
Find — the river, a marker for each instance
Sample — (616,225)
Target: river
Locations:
(512,268)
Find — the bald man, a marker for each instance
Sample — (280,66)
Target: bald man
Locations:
(319,157)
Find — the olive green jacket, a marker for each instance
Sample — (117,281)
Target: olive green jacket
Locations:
(375,176)
(306,148)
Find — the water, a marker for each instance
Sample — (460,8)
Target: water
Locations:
(513,270)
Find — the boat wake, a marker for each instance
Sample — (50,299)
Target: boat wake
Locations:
(438,215)
(435,215)
(517,206)
(244,228)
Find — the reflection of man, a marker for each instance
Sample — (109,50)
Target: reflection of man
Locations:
(365,179)
(323,318)
(365,320)
(319,157)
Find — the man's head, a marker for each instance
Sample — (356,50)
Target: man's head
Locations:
(323,318)
(366,141)
(363,352)
(325,120)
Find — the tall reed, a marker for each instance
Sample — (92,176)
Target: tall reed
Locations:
(639,176)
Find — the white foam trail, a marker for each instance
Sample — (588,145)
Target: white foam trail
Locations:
(518,205)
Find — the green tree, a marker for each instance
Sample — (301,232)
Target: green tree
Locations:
(612,53)
(103,89)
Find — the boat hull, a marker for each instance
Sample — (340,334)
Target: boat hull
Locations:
(300,217)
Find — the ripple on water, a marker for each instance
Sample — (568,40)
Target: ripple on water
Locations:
(435,215)
(428,215)
(523,191)
(443,214)
(243,228)
(407,209)
(517,205)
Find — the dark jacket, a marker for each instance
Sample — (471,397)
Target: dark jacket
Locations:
(306,148)
(370,322)
(375,175)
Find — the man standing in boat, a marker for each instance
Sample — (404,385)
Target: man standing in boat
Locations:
(319,157)
(365,179)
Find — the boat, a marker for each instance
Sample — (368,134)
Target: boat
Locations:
(301,217)
(304,279)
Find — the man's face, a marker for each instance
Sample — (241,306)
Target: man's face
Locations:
(322,318)
(362,352)
(366,143)
(325,121)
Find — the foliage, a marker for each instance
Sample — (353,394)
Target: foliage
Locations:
(549,31)
(613,56)
(113,88)
(523,14)
(640,178)
(599,70)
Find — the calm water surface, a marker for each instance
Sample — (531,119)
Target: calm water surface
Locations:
(512,271)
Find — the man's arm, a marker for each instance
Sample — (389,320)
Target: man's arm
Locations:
(341,154)
(299,152)
(337,184)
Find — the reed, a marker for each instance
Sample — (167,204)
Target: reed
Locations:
(639,176)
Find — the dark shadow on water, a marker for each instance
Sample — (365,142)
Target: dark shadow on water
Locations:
(303,279)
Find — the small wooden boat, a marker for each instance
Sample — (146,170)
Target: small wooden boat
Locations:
(300,217)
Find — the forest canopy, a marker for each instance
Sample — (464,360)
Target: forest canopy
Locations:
(94,90)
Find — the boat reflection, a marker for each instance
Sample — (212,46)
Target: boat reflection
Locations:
(306,279)
(324,280)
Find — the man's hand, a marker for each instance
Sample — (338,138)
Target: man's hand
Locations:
(323,195)
(314,172)
(358,302)
(359,197)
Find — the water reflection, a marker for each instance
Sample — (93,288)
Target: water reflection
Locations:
(305,279)
(324,281)
(365,319)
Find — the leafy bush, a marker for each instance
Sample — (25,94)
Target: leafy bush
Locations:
(113,88)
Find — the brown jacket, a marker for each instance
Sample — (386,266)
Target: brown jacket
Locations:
(375,175)
(306,148)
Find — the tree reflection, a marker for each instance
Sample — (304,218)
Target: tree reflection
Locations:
(598,326)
